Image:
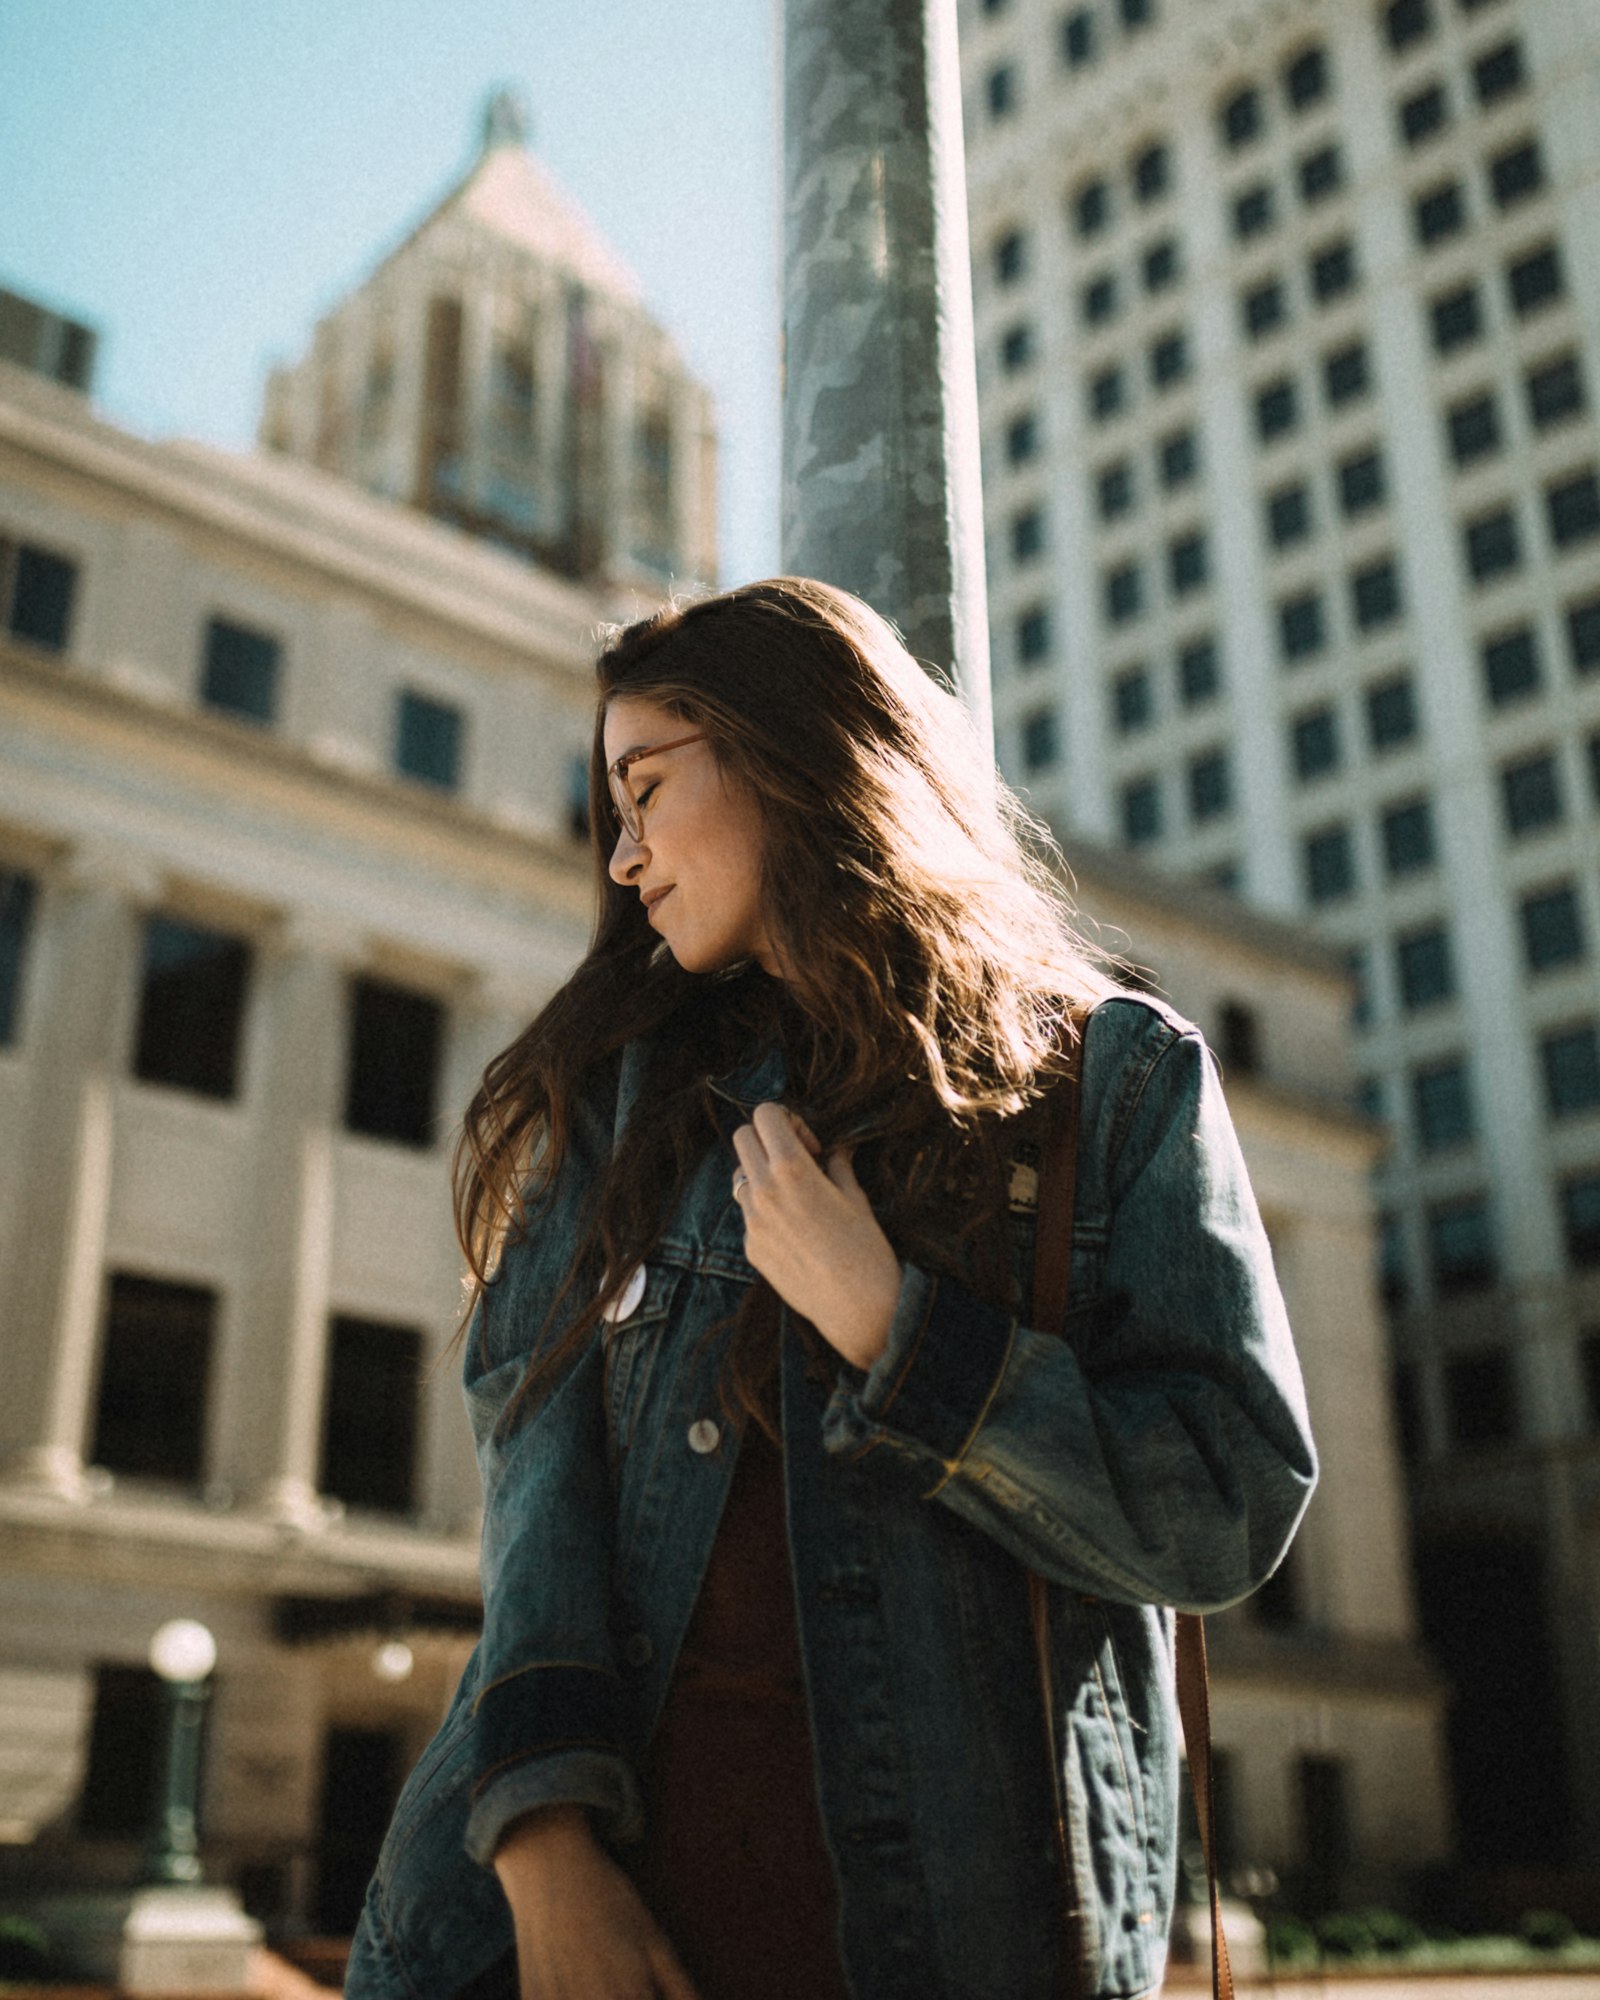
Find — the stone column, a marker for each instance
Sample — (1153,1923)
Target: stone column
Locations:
(619,413)
(273,1415)
(90,933)
(881,480)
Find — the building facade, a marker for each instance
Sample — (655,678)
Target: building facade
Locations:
(1289,335)
(500,371)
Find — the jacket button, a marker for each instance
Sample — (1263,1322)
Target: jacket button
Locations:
(704,1435)
(624,1304)
(639,1650)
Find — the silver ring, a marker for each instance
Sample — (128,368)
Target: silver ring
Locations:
(739,1181)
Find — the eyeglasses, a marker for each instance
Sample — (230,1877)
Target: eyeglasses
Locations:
(623,803)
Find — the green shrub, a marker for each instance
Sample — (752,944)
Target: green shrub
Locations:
(1290,1942)
(1393,1934)
(1547,1930)
(1344,1934)
(24,1949)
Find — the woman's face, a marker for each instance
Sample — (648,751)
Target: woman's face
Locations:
(698,866)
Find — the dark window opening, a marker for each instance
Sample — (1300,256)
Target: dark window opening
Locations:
(191,1008)
(1511,669)
(1097,302)
(1423,114)
(1440,213)
(1461,1248)
(1473,426)
(1362,483)
(1179,458)
(1375,598)
(427,741)
(1346,374)
(1199,672)
(1302,626)
(1441,1102)
(1535,281)
(1516,174)
(1325,1842)
(1321,173)
(1254,211)
(40,597)
(1406,22)
(1163,265)
(1425,971)
(1033,635)
(1132,701)
(1391,713)
(1570,1064)
(1456,319)
(122,1769)
(1241,119)
(1077,38)
(1498,73)
(1314,744)
(1210,778)
(1010,257)
(155,1358)
(396,1041)
(1333,271)
(1555,392)
(1530,794)
(1329,862)
(1152,172)
(1017,347)
(17,896)
(1552,928)
(1408,839)
(1041,740)
(1583,635)
(1492,545)
(1306,79)
(240,674)
(1091,208)
(1114,489)
(1188,563)
(1572,509)
(370,1415)
(1141,811)
(1123,593)
(1288,515)
(1264,309)
(1277,409)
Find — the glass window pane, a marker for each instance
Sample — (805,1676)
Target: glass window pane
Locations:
(17,895)
(370,1412)
(428,740)
(155,1360)
(240,671)
(396,1043)
(1552,928)
(191,1008)
(42,591)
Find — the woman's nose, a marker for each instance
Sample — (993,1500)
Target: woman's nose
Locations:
(627,857)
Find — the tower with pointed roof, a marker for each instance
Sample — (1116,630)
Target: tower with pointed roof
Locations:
(499,370)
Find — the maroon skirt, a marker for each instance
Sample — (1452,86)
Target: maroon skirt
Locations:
(734,1865)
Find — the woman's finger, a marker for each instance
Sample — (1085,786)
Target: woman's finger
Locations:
(776,1125)
(749,1151)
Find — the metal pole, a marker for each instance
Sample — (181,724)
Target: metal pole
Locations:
(173,1852)
(881,483)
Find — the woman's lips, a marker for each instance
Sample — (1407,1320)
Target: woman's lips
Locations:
(653,902)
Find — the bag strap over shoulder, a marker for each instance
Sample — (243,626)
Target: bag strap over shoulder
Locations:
(1052,1273)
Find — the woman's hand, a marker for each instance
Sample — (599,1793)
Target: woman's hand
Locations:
(811,1233)
(583,1932)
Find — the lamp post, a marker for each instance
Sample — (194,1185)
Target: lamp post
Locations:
(182,1653)
(881,486)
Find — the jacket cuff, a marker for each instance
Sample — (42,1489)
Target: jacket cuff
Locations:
(600,1780)
(933,1384)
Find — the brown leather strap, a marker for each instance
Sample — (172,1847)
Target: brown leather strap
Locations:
(1052,1271)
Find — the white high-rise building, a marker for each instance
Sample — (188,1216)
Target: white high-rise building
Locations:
(1289,336)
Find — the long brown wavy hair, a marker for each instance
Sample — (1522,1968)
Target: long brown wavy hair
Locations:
(931,969)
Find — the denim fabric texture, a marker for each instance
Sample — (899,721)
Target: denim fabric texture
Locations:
(1158,1455)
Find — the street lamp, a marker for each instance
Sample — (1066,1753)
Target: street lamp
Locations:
(182,1653)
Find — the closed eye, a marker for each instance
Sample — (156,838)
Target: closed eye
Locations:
(642,799)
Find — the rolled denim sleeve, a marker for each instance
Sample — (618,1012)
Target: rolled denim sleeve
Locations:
(1160,1453)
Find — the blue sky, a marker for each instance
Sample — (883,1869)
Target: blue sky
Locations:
(200,179)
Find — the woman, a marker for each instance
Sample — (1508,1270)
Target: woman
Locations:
(767,1456)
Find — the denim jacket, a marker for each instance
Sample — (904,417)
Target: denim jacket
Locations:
(1157,1455)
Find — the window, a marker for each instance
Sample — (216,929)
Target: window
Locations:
(1305,79)
(1321,173)
(1460,1247)
(1375,594)
(1122,590)
(1391,713)
(1188,563)
(1511,669)
(1264,307)
(1210,785)
(1277,409)
(1552,928)
(1593,748)
(1239,1038)
(1590,1353)
(1199,673)
(1572,508)
(1346,374)
(1152,172)
(37,589)
(1329,861)
(240,671)
(1000,90)
(123,1767)
(1314,743)
(1097,302)
(370,1409)
(1091,208)
(1456,319)
(1530,794)
(1179,459)
(1480,1398)
(1570,1062)
(1033,635)
(1289,515)
(1022,438)
(1302,625)
(1132,700)
(1077,38)
(1041,740)
(1583,635)
(1580,1220)
(1424,114)
(1439,213)
(1017,348)
(1406,1388)
(1362,482)
(1162,264)
(1240,119)
(1169,359)
(1441,1105)
(1254,211)
(1492,545)
(1499,73)
(1113,489)
(155,1358)
(191,1008)
(427,740)
(1555,392)
(1516,174)
(1107,393)
(1406,22)
(17,893)
(1424,966)
(1333,271)
(391,1082)
(1360,977)
(1010,257)
(1141,811)
(1473,426)
(1027,535)
(1136,14)
(1535,281)
(1407,835)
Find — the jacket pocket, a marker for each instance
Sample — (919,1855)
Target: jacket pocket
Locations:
(632,1343)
